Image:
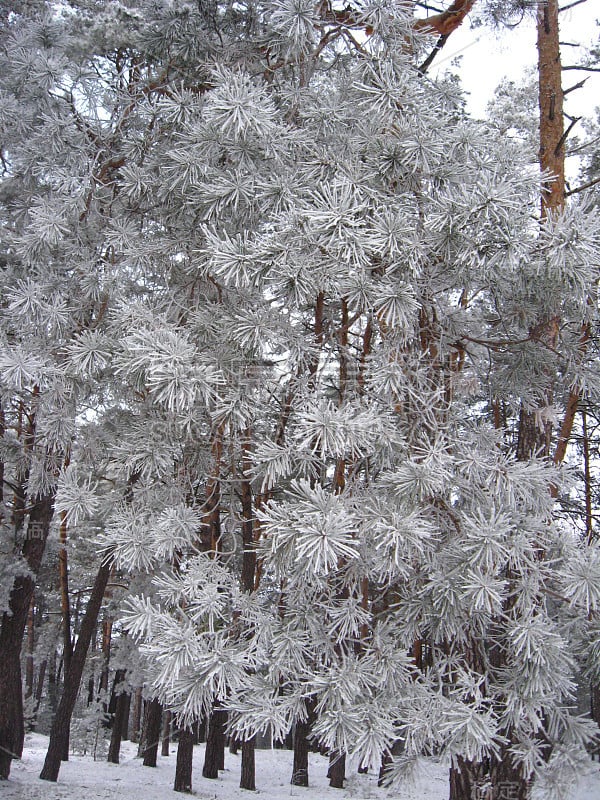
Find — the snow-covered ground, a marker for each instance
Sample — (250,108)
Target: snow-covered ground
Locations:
(81,778)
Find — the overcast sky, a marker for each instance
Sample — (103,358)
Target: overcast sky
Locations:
(487,57)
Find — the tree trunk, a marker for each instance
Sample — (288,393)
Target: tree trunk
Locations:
(63,571)
(199,729)
(214,756)
(183,768)
(248,774)
(137,716)
(62,720)
(143,726)
(337,770)
(119,721)
(300,767)
(39,688)
(30,649)
(152,734)
(166,734)
(12,632)
(469,780)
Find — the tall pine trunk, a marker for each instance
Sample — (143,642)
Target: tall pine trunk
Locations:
(62,721)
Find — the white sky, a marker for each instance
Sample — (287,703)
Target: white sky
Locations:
(487,57)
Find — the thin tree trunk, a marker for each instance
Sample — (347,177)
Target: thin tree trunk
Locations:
(183,768)
(143,726)
(166,734)
(248,774)
(39,688)
(30,649)
(62,720)
(63,571)
(107,625)
(137,716)
(337,770)
(152,735)
(119,721)
(214,756)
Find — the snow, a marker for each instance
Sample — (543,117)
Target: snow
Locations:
(82,778)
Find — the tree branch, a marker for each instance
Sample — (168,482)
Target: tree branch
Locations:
(429,60)
(571,5)
(582,68)
(579,85)
(448,21)
(583,187)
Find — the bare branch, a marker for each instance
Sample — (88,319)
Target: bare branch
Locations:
(582,68)
(448,21)
(576,86)
(583,187)
(571,5)
(430,58)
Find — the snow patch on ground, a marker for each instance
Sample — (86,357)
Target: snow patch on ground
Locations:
(82,778)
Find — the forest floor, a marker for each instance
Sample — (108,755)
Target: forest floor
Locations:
(82,778)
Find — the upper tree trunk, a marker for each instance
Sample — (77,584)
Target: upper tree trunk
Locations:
(552,152)
(62,720)
(12,632)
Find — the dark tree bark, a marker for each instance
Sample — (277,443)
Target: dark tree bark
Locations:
(152,734)
(62,720)
(119,721)
(143,725)
(467,779)
(248,774)
(39,687)
(166,734)
(199,729)
(337,770)
(12,632)
(107,625)
(214,757)
(300,767)
(29,666)
(183,768)
(136,722)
